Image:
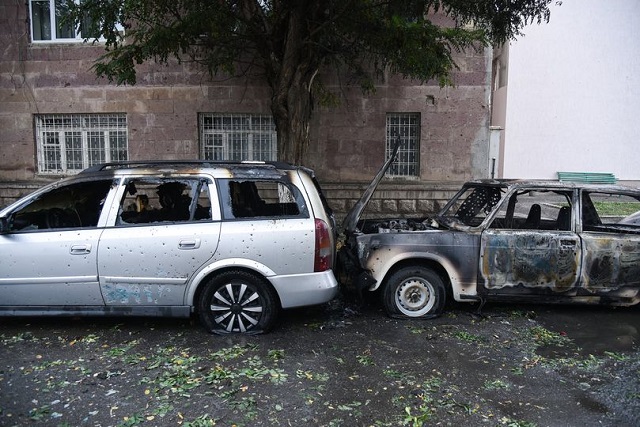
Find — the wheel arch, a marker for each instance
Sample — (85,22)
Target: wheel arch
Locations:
(199,283)
(429,263)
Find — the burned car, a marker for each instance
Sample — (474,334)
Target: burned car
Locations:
(501,240)
(231,242)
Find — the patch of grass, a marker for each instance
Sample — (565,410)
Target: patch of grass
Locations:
(201,421)
(397,375)
(230,353)
(134,420)
(616,208)
(312,376)
(38,414)
(365,360)
(21,337)
(468,337)
(247,406)
(417,417)
(121,350)
(275,355)
(617,356)
(543,337)
(496,384)
(590,363)
(510,422)
(353,408)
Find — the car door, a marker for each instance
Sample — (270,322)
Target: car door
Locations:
(531,248)
(49,251)
(163,233)
(611,256)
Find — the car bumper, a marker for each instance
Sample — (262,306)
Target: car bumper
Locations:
(305,289)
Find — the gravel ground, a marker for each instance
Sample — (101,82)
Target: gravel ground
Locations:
(337,365)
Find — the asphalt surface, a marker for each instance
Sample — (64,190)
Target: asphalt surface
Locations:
(337,365)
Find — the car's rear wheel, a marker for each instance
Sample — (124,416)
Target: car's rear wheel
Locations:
(238,301)
(414,292)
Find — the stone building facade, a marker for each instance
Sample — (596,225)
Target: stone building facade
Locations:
(46,85)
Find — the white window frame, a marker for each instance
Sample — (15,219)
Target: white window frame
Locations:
(68,143)
(53,25)
(407,127)
(238,137)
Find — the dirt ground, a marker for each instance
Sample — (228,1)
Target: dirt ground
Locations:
(335,365)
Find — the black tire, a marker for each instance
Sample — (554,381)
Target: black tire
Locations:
(238,302)
(415,292)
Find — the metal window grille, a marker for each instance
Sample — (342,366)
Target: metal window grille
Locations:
(69,143)
(238,137)
(405,126)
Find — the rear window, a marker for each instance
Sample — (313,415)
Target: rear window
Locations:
(260,199)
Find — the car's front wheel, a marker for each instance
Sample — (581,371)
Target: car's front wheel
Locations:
(414,292)
(237,301)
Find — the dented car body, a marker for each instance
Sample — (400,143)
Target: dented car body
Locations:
(503,240)
(234,242)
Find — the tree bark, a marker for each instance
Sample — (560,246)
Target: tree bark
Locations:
(290,76)
(291,108)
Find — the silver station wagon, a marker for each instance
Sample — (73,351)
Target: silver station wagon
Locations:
(501,240)
(232,242)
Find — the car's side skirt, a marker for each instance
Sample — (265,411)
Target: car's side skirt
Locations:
(71,311)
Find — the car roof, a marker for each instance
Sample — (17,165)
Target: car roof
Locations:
(219,169)
(553,184)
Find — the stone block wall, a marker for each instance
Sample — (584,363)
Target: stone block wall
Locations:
(347,142)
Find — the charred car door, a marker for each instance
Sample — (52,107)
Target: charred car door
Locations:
(531,248)
(611,257)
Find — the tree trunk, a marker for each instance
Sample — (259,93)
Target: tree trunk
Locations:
(291,108)
(290,72)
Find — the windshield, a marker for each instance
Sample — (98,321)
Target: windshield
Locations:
(471,205)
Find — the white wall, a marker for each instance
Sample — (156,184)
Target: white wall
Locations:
(573,99)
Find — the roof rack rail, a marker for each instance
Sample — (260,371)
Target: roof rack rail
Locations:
(199,163)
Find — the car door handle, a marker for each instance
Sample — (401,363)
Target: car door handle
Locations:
(189,244)
(80,249)
(568,243)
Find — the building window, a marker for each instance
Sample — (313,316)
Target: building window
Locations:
(48,25)
(238,137)
(405,126)
(69,143)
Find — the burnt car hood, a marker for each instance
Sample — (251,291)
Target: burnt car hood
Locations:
(351,220)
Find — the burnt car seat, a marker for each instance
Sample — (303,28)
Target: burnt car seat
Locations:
(563,222)
(533,219)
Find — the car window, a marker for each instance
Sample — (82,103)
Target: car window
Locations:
(68,206)
(255,198)
(535,210)
(610,212)
(472,205)
(149,200)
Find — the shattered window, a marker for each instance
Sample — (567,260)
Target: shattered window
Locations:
(69,206)
(150,200)
(610,212)
(472,205)
(256,199)
(535,210)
